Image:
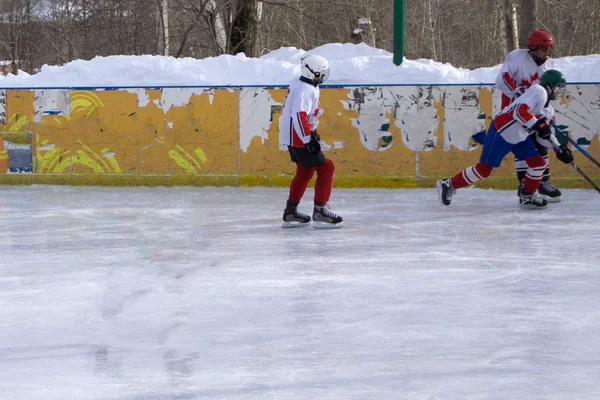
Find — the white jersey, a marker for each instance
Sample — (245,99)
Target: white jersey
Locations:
(299,114)
(519,70)
(515,120)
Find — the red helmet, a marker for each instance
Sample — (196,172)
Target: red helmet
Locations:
(540,39)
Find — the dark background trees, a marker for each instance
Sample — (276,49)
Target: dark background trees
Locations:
(464,33)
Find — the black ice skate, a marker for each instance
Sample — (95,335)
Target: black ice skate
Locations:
(323,218)
(445,191)
(292,218)
(549,192)
(531,201)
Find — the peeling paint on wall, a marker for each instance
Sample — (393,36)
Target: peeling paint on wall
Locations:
(179,97)
(461,111)
(255,115)
(579,113)
(142,96)
(368,131)
(51,102)
(373,108)
(2,107)
(416,116)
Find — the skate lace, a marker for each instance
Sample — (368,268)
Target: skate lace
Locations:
(450,192)
(324,211)
(547,186)
(537,198)
(534,198)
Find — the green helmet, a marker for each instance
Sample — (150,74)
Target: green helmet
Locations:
(553,78)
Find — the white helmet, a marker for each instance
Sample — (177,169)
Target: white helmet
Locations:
(315,67)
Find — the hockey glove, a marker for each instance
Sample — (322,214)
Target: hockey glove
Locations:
(314,147)
(564,154)
(542,128)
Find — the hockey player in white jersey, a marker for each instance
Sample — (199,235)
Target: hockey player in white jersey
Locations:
(513,130)
(524,67)
(298,134)
(521,69)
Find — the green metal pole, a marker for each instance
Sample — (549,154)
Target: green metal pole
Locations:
(398,31)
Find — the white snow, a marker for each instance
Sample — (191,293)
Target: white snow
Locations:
(350,64)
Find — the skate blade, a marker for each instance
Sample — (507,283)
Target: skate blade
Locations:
(295,224)
(551,199)
(531,207)
(327,225)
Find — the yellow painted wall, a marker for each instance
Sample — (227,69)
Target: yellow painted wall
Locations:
(112,137)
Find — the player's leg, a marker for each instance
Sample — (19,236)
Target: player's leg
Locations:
(521,170)
(322,216)
(547,189)
(528,195)
(494,151)
(304,174)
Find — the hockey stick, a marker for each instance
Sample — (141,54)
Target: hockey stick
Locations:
(587,178)
(578,147)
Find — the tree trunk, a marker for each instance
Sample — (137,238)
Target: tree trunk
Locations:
(217,24)
(528,20)
(163,27)
(243,28)
(509,14)
(257,44)
(431,4)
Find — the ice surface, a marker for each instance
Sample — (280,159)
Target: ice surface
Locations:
(197,293)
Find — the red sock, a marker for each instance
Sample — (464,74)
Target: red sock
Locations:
(324,182)
(300,182)
(470,175)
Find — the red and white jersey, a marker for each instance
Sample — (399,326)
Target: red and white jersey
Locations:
(299,114)
(514,121)
(518,70)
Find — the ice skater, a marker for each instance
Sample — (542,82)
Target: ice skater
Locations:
(521,69)
(512,130)
(298,134)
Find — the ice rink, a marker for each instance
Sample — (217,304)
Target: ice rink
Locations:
(197,293)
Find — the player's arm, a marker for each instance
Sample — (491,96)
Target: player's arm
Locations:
(504,80)
(300,116)
(528,106)
(563,153)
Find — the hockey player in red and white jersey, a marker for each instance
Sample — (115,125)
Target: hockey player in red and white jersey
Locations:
(298,134)
(521,69)
(513,130)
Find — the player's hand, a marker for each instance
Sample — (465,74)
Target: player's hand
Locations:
(315,135)
(542,128)
(564,154)
(314,147)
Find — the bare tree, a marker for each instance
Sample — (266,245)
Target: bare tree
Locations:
(528,16)
(509,13)
(35,32)
(16,41)
(244,28)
